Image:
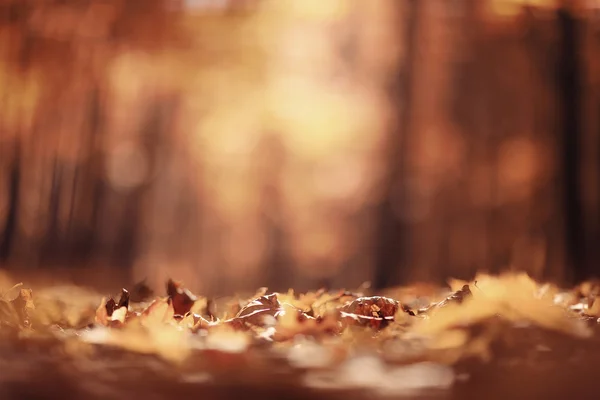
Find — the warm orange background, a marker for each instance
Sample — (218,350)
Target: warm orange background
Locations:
(291,143)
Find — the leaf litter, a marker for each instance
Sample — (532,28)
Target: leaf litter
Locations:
(404,339)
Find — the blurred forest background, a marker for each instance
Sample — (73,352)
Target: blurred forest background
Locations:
(234,144)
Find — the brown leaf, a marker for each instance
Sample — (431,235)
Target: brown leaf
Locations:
(124,300)
(293,322)
(22,304)
(181,298)
(375,311)
(192,320)
(254,312)
(15,313)
(110,306)
(141,292)
(198,321)
(457,297)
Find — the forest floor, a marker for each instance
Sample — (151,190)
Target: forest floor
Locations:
(495,337)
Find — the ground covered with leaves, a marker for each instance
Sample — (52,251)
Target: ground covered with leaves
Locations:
(497,336)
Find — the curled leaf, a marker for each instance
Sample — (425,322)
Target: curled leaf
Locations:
(141,292)
(255,311)
(181,298)
(457,297)
(16,313)
(124,299)
(375,311)
(110,306)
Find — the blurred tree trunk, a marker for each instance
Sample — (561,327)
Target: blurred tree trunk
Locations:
(313,143)
(392,238)
(589,35)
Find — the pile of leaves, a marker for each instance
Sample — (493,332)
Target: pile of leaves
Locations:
(408,338)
